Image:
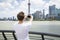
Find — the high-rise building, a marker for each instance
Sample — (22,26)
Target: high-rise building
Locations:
(43,14)
(58,14)
(38,15)
(58,11)
(52,11)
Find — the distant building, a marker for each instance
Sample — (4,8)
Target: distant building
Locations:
(8,19)
(43,14)
(58,14)
(54,12)
(47,16)
(38,15)
(58,11)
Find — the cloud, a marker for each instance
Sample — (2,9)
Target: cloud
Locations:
(9,8)
(12,7)
(46,0)
(55,2)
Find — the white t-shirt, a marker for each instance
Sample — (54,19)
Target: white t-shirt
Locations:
(22,30)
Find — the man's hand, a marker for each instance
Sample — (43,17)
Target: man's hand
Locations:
(30,17)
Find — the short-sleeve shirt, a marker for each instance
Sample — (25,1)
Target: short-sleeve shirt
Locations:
(22,30)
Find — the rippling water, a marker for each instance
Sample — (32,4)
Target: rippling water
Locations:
(40,26)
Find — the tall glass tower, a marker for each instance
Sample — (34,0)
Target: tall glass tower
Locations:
(52,11)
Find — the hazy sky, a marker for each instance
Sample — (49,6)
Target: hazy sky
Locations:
(10,8)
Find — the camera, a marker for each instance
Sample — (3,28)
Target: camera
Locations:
(29,16)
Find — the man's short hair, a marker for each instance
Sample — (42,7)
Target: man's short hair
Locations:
(20,16)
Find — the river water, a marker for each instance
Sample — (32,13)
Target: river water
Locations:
(38,26)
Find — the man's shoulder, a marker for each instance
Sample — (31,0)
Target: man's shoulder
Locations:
(27,23)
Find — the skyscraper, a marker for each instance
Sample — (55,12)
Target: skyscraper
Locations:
(58,11)
(54,12)
(38,15)
(43,14)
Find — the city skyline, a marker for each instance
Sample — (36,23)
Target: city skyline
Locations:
(54,14)
(12,7)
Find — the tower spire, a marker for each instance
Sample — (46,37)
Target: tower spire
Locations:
(28,6)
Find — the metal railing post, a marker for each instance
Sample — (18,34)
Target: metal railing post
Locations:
(4,36)
(42,37)
(14,36)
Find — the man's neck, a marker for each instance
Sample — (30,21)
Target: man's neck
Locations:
(20,22)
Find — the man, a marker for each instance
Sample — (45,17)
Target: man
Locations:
(21,27)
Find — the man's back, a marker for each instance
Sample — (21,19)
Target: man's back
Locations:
(22,30)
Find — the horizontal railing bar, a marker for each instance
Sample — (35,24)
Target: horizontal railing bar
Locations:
(31,32)
(47,34)
(7,31)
